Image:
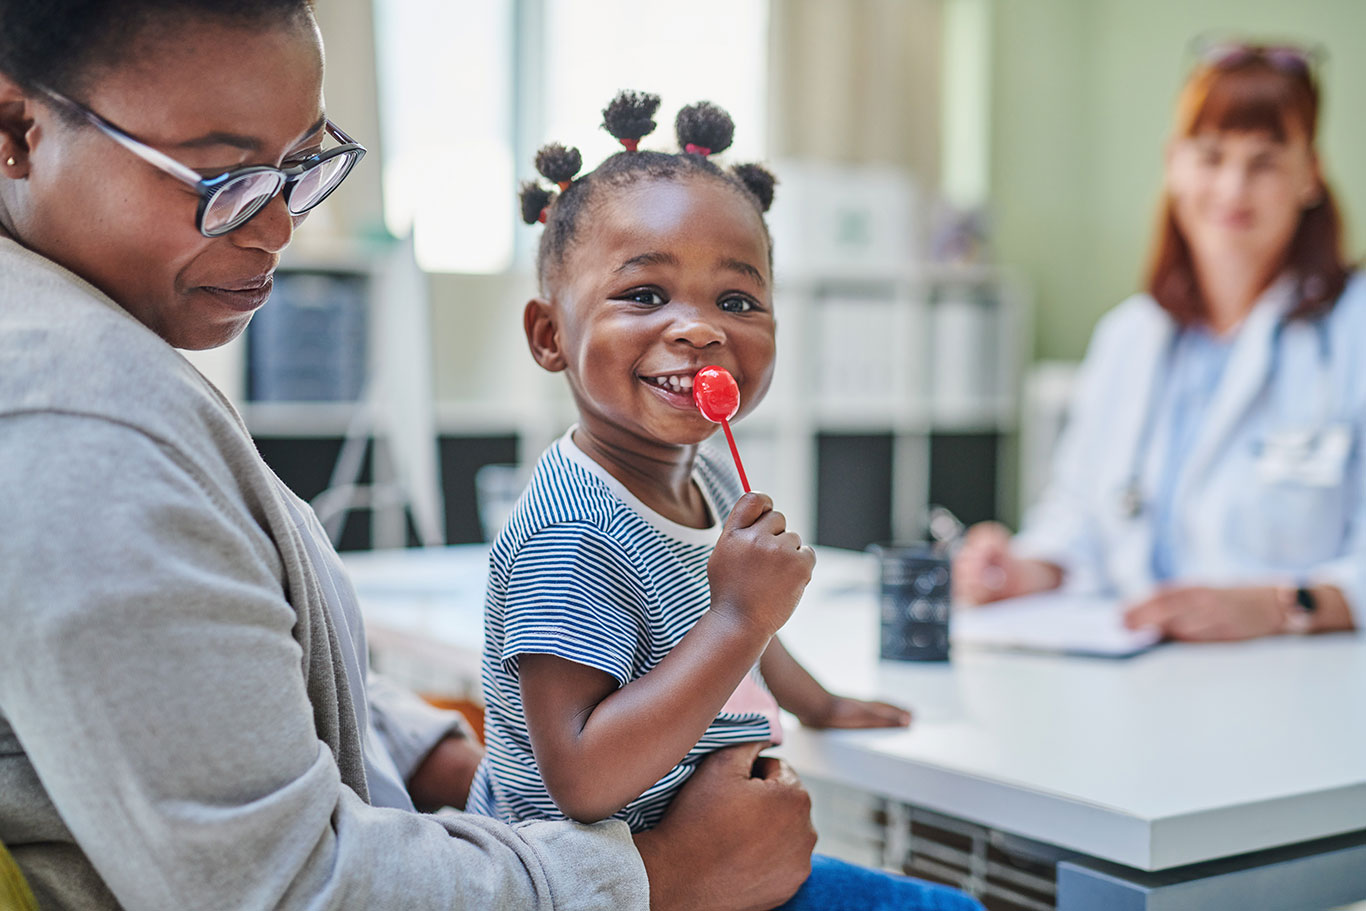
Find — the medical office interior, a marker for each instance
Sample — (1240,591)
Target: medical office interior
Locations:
(965,187)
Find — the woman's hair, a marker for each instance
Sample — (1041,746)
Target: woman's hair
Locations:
(58,43)
(1253,90)
(703,129)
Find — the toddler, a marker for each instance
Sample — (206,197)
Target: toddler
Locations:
(634,595)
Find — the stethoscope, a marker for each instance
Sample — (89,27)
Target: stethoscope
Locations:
(1132,501)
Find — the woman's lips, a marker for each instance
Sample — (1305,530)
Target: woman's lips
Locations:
(243,298)
(1235,220)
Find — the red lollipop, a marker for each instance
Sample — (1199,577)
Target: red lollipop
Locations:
(718,398)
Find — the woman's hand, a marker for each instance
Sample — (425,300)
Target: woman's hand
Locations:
(737,837)
(985,570)
(844,712)
(1200,614)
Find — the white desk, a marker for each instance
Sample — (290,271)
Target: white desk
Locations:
(1182,755)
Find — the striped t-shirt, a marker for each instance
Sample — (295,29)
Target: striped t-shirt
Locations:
(583,570)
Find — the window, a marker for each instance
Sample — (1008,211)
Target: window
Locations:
(446,108)
(704,50)
(462,119)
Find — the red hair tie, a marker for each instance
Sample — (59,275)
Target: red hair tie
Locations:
(542,216)
(631,144)
(692,149)
(564,185)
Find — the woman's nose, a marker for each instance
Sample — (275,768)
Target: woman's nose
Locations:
(1233,180)
(271,229)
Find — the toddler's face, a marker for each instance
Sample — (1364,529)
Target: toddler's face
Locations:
(666,277)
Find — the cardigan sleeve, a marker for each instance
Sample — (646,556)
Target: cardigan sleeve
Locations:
(407,726)
(149,672)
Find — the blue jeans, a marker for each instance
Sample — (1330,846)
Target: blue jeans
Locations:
(837,886)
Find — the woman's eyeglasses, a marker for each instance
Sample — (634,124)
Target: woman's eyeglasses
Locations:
(1288,58)
(230,199)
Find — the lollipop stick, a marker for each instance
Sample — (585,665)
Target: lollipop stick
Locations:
(725,425)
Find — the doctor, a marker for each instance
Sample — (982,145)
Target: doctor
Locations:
(1211,474)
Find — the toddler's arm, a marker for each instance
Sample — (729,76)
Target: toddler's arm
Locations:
(815,706)
(599,746)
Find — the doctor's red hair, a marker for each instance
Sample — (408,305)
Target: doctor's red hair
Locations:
(1252,92)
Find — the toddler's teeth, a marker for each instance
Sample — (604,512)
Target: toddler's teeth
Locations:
(677,383)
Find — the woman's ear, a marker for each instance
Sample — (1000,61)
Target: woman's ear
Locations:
(543,334)
(16,121)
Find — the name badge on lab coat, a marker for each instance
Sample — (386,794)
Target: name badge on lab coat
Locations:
(1314,458)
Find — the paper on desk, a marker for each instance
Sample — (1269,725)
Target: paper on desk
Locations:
(1071,624)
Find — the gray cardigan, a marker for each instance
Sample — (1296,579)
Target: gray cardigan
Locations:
(176,729)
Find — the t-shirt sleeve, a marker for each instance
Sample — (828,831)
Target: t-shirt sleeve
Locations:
(576,593)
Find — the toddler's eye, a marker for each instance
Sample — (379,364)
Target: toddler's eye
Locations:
(736,304)
(648,296)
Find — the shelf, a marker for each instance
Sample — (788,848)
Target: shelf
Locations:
(329,419)
(925,355)
(299,419)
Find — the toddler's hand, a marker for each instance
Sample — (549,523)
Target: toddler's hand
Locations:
(759,569)
(844,712)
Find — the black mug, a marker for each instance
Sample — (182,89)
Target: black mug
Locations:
(914,601)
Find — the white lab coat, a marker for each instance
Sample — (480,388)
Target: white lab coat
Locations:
(1237,523)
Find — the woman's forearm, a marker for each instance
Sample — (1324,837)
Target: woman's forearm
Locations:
(1039,576)
(1333,613)
(443,777)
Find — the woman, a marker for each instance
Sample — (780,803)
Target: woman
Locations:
(185,716)
(1211,475)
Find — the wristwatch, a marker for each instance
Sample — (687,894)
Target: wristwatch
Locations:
(1299,605)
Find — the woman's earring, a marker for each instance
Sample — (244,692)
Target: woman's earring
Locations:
(10,162)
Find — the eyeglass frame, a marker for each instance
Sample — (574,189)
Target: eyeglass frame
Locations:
(209,188)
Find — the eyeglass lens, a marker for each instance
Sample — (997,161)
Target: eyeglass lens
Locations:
(314,184)
(242,197)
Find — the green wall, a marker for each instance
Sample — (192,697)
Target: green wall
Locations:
(1082,97)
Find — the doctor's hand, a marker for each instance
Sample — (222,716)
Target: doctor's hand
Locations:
(985,570)
(1200,614)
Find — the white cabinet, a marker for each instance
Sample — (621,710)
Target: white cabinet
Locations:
(899,357)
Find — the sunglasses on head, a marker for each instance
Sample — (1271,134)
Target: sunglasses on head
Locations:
(1288,58)
(229,200)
